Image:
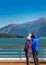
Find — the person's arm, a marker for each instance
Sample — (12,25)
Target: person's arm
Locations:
(37,45)
(32,45)
(26,46)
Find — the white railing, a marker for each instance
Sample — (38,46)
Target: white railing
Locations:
(16,52)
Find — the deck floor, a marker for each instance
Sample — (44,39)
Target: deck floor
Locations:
(18,63)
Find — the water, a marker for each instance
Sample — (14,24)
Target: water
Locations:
(14,47)
(12,40)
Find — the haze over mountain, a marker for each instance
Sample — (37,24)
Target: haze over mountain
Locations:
(37,26)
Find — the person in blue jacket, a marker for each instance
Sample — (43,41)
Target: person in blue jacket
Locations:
(35,48)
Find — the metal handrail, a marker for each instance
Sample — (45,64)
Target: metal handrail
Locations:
(19,50)
(41,45)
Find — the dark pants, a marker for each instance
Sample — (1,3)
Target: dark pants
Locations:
(27,61)
(35,57)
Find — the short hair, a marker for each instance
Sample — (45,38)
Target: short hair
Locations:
(33,34)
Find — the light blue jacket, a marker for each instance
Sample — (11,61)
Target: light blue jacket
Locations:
(35,44)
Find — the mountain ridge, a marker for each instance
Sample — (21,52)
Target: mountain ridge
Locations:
(37,26)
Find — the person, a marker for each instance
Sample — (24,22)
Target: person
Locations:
(35,48)
(27,49)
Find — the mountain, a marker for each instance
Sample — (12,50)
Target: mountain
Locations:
(37,26)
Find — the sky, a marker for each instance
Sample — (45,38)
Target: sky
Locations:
(21,11)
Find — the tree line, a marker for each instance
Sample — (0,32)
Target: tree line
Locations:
(5,35)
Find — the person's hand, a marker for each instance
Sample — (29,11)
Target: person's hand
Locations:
(24,49)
